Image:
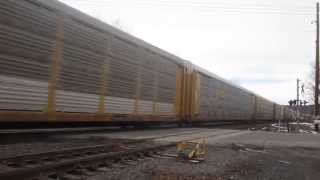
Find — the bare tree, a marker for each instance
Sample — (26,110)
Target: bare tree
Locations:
(119,24)
(310,85)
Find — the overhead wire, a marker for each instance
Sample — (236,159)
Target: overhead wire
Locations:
(220,7)
(188,2)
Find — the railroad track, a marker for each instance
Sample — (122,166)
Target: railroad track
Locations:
(77,162)
(17,133)
(74,130)
(54,131)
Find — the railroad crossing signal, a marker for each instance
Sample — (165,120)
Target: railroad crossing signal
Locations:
(298,103)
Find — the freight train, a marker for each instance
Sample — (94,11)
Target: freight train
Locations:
(60,65)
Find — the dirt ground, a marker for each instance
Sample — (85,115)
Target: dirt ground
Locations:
(235,161)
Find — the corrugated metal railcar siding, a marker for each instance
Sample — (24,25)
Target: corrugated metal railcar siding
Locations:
(148,78)
(242,104)
(70,101)
(119,105)
(264,109)
(84,53)
(166,90)
(225,100)
(122,77)
(279,113)
(22,94)
(220,101)
(140,74)
(145,107)
(217,97)
(29,30)
(165,108)
(148,81)
(27,35)
(165,86)
(206,97)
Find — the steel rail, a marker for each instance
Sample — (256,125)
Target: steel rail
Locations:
(61,166)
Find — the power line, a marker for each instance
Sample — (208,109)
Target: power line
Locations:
(194,3)
(203,8)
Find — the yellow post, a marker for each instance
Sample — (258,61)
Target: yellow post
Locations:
(104,79)
(138,91)
(178,97)
(195,93)
(255,107)
(55,66)
(184,101)
(155,98)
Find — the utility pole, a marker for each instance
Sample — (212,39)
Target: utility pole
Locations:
(298,92)
(316,94)
(298,98)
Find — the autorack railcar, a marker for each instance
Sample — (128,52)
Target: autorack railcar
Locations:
(60,65)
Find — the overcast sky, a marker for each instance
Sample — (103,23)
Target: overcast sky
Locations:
(261,45)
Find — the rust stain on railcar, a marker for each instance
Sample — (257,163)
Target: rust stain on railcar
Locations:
(55,67)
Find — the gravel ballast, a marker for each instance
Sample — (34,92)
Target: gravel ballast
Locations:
(227,162)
